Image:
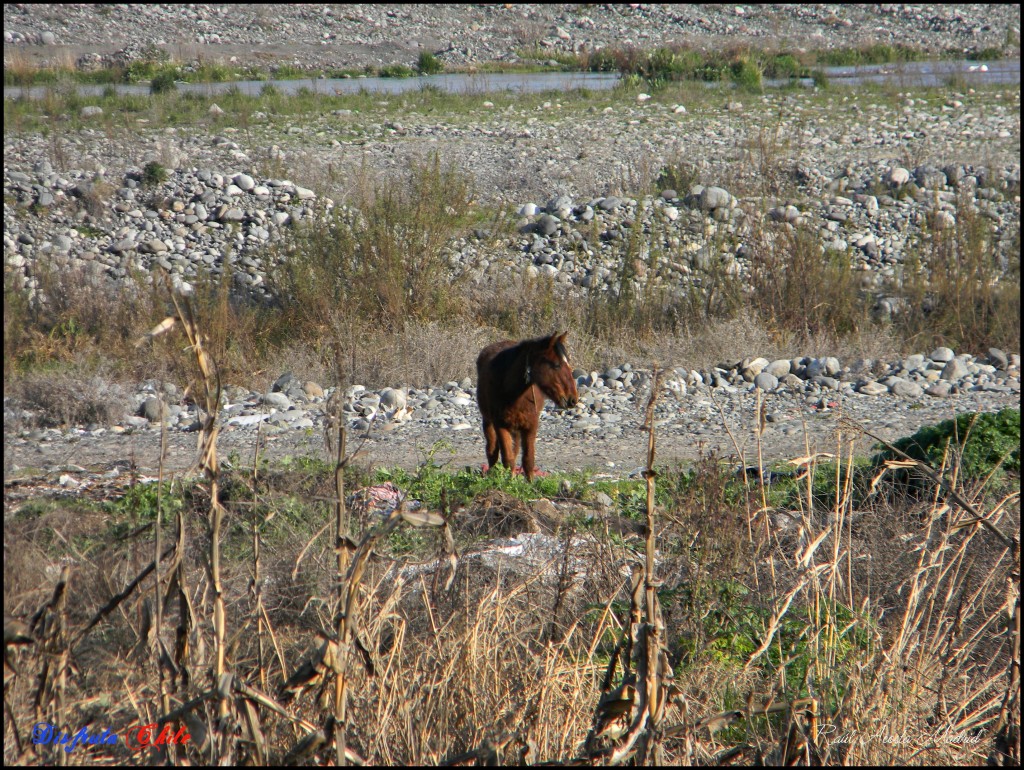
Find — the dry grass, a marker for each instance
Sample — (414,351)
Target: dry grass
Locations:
(68,398)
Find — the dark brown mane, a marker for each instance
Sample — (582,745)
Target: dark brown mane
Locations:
(512,382)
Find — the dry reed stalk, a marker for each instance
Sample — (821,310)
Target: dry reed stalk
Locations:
(628,719)
(351,632)
(943,627)
(209,387)
(759,433)
(156,647)
(1006,743)
(341,533)
(49,627)
(759,430)
(263,625)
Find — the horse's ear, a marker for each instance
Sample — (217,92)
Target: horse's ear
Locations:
(558,346)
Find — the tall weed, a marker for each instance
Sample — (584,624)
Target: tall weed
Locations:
(800,289)
(958,292)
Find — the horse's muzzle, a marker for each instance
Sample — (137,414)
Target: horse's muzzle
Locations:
(568,402)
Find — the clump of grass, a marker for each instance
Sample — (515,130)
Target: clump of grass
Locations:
(746,74)
(732,621)
(877,53)
(70,398)
(288,72)
(163,82)
(679,175)
(991,53)
(73,314)
(820,79)
(783,65)
(540,56)
(430,483)
(803,290)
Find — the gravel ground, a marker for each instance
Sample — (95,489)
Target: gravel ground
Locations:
(603,433)
(80,455)
(867,172)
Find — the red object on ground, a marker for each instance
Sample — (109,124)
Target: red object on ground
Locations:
(484,468)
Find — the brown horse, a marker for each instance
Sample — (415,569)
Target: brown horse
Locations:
(512,381)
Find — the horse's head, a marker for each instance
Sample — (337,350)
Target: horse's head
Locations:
(549,370)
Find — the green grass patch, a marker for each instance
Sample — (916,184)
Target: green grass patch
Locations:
(732,625)
(153,174)
(431,482)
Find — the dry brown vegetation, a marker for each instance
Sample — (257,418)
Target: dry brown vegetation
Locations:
(275,624)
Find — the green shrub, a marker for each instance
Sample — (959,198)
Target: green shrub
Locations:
(601,60)
(288,72)
(746,74)
(396,71)
(992,53)
(428,64)
(381,263)
(212,73)
(783,66)
(879,53)
(984,440)
(678,175)
(163,82)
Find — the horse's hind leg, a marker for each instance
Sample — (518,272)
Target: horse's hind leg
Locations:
(508,457)
(491,440)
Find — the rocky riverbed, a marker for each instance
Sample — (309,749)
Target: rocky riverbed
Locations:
(319,37)
(871,174)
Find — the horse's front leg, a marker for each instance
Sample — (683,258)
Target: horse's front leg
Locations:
(529,452)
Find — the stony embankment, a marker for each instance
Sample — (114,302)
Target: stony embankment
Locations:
(108,227)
